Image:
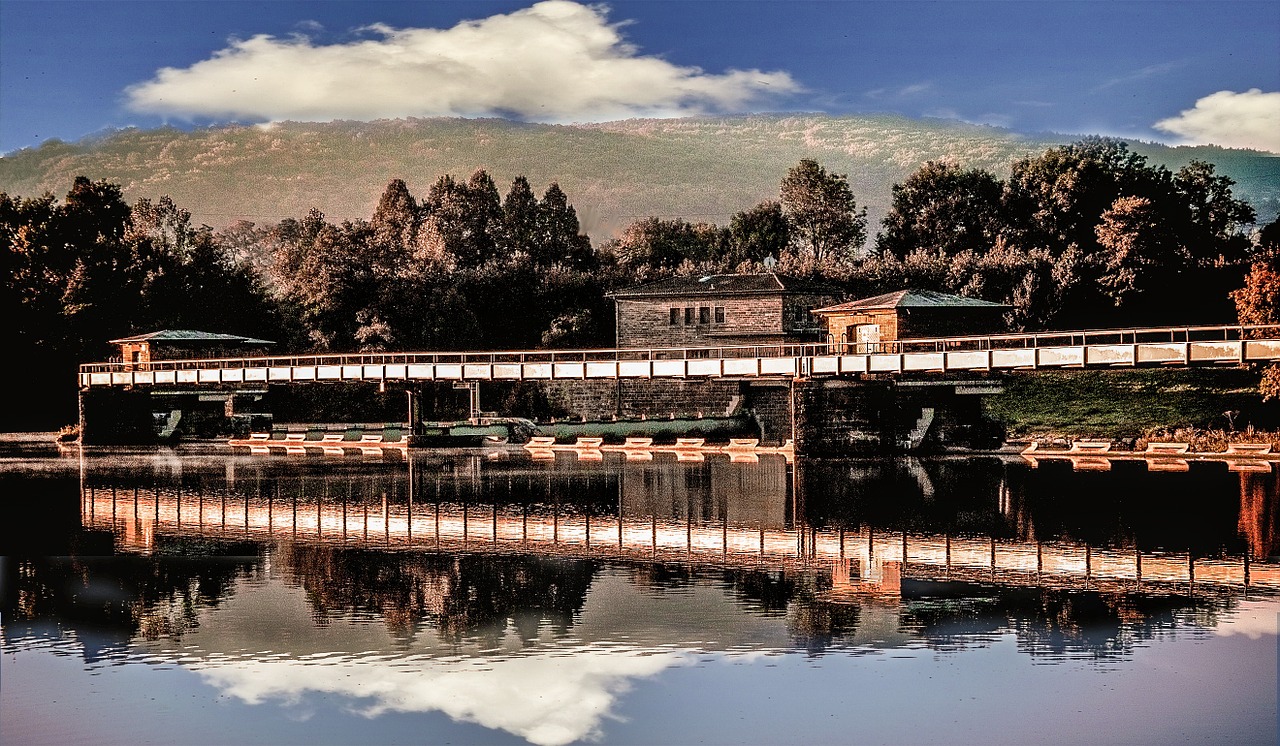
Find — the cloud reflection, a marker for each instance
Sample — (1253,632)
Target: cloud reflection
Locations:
(1253,620)
(546,698)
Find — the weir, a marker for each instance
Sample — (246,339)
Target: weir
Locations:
(828,398)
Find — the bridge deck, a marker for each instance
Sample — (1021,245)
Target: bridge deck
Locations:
(1102,348)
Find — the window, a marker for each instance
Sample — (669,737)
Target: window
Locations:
(704,315)
(688,316)
(719,314)
(675,317)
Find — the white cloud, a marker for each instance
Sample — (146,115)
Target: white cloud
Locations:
(547,698)
(1137,76)
(908,91)
(1232,120)
(556,61)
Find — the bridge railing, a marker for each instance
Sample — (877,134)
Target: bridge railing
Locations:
(1155,335)
(470,358)
(1068,338)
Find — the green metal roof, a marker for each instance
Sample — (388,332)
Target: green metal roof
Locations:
(911,299)
(191,336)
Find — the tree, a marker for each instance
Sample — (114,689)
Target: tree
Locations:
(93,268)
(944,209)
(1215,220)
(1142,262)
(462,220)
(1258,302)
(824,216)
(665,244)
(1055,200)
(760,232)
(1121,230)
(558,237)
(520,219)
(482,219)
(395,219)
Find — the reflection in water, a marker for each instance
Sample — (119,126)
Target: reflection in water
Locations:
(528,596)
(576,686)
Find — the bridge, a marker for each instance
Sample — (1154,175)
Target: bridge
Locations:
(830,398)
(1183,346)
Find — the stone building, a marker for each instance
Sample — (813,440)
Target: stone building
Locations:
(862,326)
(182,344)
(721,310)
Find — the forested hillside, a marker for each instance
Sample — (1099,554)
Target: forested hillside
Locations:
(701,170)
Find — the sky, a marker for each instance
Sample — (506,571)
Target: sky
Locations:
(1192,71)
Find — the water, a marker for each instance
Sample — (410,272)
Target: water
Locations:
(195,597)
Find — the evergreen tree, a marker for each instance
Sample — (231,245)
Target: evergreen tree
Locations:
(559,238)
(520,217)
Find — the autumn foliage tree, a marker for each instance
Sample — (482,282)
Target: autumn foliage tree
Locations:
(1258,302)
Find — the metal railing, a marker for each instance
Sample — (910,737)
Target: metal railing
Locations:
(1067,338)
(1155,335)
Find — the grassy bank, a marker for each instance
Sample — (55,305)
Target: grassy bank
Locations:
(1122,404)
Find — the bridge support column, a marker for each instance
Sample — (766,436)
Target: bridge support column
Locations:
(414,403)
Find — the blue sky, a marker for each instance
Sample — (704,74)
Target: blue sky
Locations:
(1170,71)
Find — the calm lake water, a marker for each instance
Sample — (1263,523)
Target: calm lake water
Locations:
(192,596)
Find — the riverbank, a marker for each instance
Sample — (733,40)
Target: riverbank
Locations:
(1208,407)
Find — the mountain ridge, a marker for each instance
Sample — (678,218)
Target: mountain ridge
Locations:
(695,168)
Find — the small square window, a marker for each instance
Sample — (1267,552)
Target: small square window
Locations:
(704,315)
(719,314)
(688,316)
(675,317)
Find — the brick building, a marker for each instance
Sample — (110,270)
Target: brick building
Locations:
(862,325)
(181,344)
(720,310)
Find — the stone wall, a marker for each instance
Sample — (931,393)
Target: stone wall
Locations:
(747,320)
(597,400)
(768,401)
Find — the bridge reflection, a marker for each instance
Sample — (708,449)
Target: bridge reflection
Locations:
(863,527)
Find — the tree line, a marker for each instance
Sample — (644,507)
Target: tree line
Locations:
(1081,236)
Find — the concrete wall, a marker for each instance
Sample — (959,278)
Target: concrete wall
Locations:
(836,417)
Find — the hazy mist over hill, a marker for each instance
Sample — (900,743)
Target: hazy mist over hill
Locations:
(699,169)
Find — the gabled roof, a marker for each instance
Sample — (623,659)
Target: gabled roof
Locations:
(910,299)
(765,283)
(191,336)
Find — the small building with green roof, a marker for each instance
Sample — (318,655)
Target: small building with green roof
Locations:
(861,326)
(182,344)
